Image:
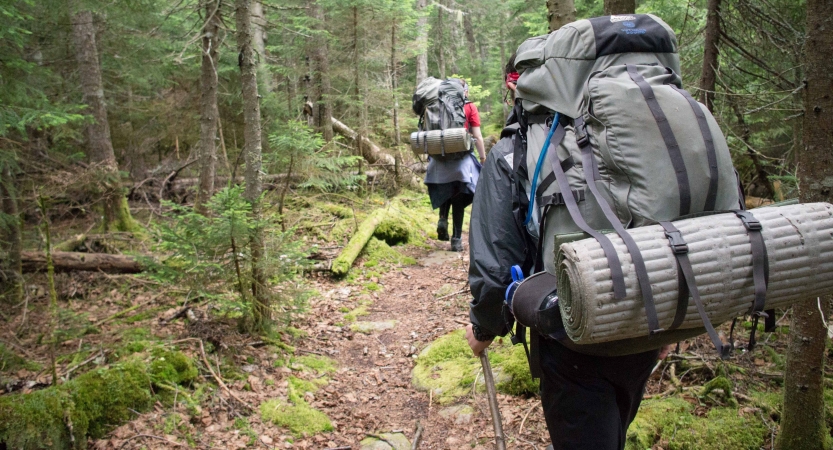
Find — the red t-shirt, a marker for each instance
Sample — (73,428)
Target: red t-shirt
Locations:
(472,116)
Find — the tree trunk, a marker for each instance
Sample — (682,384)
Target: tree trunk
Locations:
(322,108)
(422,42)
(560,13)
(208,105)
(619,7)
(100,146)
(802,423)
(440,42)
(12,265)
(397,137)
(259,40)
(261,314)
(710,55)
(75,261)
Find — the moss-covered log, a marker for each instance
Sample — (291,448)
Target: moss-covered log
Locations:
(342,264)
(89,406)
(72,261)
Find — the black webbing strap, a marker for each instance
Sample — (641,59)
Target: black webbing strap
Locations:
(667,136)
(588,162)
(442,141)
(613,262)
(760,269)
(558,198)
(680,249)
(566,165)
(711,154)
(769,323)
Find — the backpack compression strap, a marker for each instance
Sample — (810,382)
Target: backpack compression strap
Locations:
(667,136)
(680,250)
(613,262)
(760,269)
(711,154)
(591,171)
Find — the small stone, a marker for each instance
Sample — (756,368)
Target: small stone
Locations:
(266,440)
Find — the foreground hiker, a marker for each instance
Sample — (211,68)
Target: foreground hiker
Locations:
(589,401)
(451,181)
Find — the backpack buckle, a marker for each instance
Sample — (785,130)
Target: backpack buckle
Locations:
(749,221)
(677,243)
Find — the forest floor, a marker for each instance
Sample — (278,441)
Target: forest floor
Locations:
(359,341)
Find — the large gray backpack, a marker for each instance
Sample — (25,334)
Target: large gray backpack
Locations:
(612,142)
(440,105)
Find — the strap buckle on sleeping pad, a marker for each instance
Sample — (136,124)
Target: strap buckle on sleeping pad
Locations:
(676,241)
(749,221)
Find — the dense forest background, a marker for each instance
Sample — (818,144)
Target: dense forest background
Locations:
(231,150)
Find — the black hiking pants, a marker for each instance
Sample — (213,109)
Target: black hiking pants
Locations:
(589,401)
(457,204)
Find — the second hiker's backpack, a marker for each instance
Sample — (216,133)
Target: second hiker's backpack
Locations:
(611,141)
(440,105)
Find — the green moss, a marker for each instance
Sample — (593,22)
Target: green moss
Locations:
(356,313)
(296,332)
(722,383)
(11,362)
(320,364)
(377,252)
(448,368)
(655,418)
(339,211)
(393,230)
(300,386)
(172,367)
(671,424)
(373,287)
(299,418)
(93,403)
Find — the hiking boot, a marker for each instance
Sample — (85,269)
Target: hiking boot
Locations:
(456,245)
(442,230)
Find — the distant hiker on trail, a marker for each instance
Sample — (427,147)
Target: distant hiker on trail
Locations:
(589,401)
(451,180)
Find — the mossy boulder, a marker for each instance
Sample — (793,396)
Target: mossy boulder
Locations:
(448,367)
(172,367)
(88,406)
(378,251)
(393,230)
(386,441)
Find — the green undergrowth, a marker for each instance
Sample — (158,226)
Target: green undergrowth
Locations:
(378,252)
(91,404)
(294,413)
(448,367)
(671,424)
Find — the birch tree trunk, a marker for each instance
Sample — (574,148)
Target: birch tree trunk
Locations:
(259,40)
(422,42)
(116,214)
(560,13)
(261,312)
(322,108)
(208,105)
(802,423)
(711,53)
(12,266)
(619,7)
(397,138)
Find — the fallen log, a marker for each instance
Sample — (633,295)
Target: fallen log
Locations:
(75,261)
(341,265)
(372,153)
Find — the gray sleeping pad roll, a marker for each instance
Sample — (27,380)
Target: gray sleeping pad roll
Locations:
(440,142)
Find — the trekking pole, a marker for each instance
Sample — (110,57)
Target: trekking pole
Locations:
(500,440)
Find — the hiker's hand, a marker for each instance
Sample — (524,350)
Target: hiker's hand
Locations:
(477,347)
(483,160)
(664,351)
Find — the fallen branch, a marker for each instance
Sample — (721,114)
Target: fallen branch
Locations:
(72,261)
(125,311)
(219,380)
(417,436)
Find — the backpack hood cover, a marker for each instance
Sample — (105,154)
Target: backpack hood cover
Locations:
(554,68)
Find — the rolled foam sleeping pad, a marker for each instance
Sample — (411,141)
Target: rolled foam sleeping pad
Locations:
(799,247)
(438,142)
